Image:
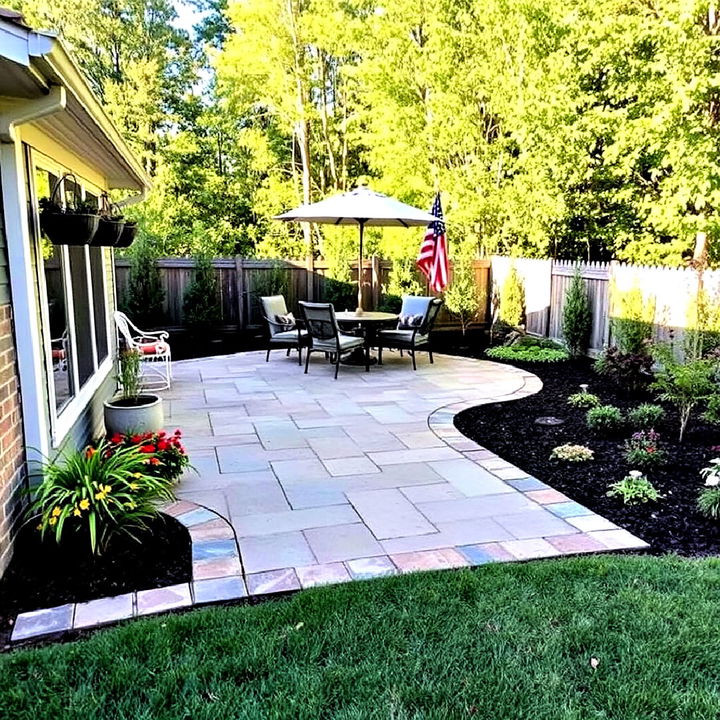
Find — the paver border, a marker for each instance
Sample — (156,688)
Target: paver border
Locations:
(217,576)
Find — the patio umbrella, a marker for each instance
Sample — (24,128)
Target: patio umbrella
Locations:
(360,207)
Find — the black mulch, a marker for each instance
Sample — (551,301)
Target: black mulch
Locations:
(43,574)
(671,525)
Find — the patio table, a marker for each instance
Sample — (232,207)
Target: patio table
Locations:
(368,322)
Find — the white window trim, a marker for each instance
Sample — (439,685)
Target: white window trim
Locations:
(63,419)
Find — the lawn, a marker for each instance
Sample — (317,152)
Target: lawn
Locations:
(503,641)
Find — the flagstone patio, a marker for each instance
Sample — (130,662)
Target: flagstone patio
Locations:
(331,480)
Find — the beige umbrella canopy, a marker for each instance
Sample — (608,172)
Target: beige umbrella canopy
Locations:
(360,207)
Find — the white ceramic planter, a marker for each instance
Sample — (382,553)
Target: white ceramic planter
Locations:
(145,416)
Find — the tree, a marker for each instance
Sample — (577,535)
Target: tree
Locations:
(200,306)
(577,317)
(144,296)
(512,299)
(462,297)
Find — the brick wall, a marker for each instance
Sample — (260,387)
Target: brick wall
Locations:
(12,451)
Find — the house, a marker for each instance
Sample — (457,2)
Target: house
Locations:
(57,340)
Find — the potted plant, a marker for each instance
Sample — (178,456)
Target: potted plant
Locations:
(128,234)
(132,411)
(67,224)
(111,225)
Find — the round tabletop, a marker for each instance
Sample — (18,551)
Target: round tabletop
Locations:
(366,317)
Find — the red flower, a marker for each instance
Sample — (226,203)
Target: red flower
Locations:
(162,434)
(178,433)
(154,461)
(89,452)
(136,439)
(116,439)
(147,448)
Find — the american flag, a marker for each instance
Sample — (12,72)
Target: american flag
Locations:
(433,257)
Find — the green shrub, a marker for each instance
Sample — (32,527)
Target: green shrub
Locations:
(201,306)
(634,488)
(97,491)
(577,318)
(462,297)
(642,450)
(708,502)
(532,341)
(512,299)
(646,416)
(129,378)
(144,295)
(631,371)
(605,419)
(583,400)
(526,354)
(685,385)
(632,319)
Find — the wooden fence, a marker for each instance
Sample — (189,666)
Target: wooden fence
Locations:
(241,282)
(671,292)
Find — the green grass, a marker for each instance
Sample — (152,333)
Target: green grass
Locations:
(500,642)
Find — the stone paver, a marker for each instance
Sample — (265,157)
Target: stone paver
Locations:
(103,610)
(162,599)
(43,622)
(325,480)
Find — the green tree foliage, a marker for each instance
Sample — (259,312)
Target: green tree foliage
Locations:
(144,295)
(631,321)
(462,297)
(201,307)
(577,317)
(512,299)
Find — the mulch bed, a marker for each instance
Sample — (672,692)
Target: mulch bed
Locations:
(43,574)
(672,524)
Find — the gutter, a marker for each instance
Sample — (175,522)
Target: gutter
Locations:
(31,110)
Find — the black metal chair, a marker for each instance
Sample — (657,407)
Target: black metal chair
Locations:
(325,335)
(412,333)
(283,335)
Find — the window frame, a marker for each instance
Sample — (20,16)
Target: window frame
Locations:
(64,418)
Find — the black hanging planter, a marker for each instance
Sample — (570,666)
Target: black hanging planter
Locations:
(64,225)
(128,234)
(109,232)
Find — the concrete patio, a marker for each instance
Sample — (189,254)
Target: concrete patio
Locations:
(328,481)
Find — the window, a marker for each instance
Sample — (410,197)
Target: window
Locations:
(73,290)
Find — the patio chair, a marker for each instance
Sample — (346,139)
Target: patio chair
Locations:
(284,330)
(325,335)
(412,333)
(154,350)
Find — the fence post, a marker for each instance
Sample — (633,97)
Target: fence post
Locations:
(375,280)
(240,285)
(310,278)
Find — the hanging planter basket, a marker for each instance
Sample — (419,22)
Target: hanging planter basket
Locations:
(128,234)
(111,226)
(64,225)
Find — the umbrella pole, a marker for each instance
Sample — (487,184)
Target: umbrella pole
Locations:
(360,268)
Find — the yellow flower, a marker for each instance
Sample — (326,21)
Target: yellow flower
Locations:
(52,520)
(76,512)
(133,486)
(39,527)
(84,504)
(56,511)
(138,475)
(107,489)
(130,505)
(100,495)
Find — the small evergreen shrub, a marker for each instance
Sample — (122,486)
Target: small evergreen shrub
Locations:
(577,318)
(634,489)
(462,297)
(605,419)
(631,371)
(583,400)
(512,299)
(526,354)
(646,416)
(200,306)
(144,295)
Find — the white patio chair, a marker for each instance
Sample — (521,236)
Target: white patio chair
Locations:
(154,352)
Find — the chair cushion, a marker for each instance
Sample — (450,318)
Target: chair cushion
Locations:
(388,338)
(288,336)
(287,320)
(409,322)
(415,304)
(155,348)
(347,342)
